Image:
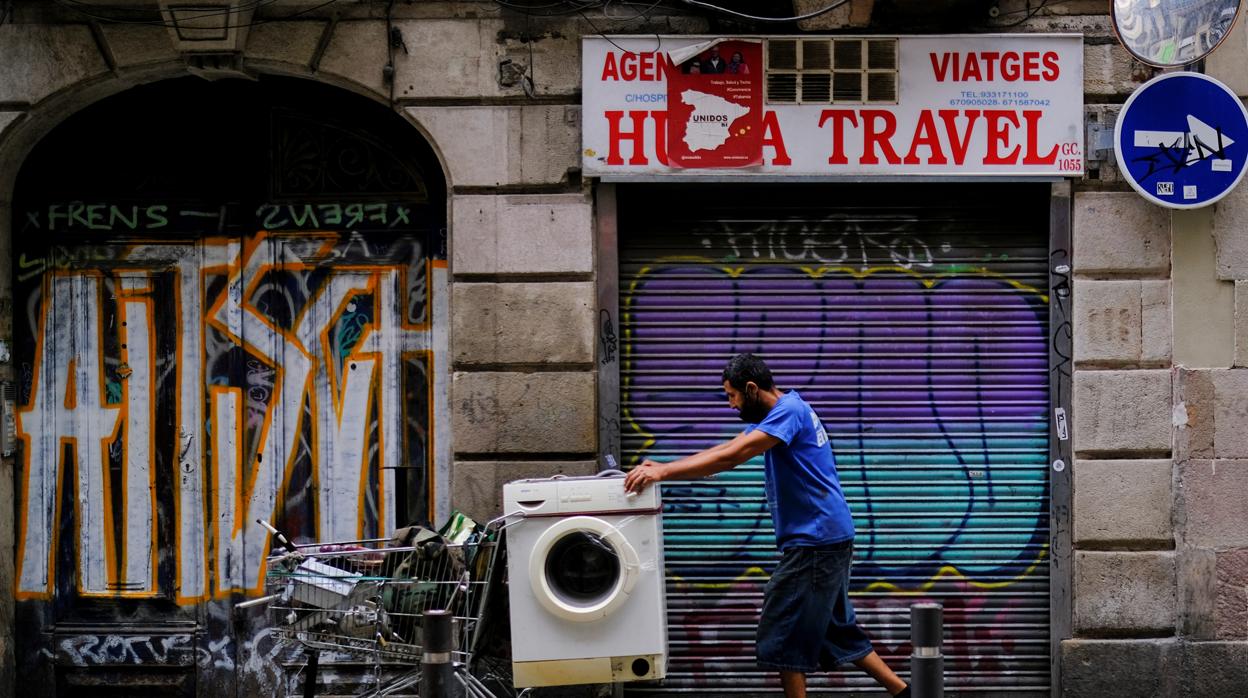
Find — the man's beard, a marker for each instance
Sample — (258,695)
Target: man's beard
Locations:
(753,411)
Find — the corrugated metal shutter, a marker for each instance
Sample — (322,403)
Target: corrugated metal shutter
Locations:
(914,318)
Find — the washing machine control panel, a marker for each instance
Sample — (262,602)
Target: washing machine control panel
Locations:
(576,495)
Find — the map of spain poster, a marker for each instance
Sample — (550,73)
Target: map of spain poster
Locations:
(715,105)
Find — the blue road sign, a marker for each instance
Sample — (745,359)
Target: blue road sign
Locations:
(1182,140)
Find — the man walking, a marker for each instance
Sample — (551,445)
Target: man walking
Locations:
(807,622)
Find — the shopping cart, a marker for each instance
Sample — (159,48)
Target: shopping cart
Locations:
(368,599)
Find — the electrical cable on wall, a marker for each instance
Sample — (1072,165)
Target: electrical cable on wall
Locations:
(570,7)
(579,6)
(81,8)
(79,5)
(1028,12)
(756,18)
(641,14)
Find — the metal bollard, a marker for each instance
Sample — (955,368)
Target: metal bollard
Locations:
(437,676)
(927,664)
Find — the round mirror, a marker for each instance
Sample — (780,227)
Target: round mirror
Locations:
(1173,33)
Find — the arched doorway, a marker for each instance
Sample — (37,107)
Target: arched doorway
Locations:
(230,304)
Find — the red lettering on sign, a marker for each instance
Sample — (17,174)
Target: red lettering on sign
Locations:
(1050,64)
(772,138)
(1032,117)
(959,147)
(1031,66)
(1009,66)
(660,136)
(616,135)
(999,136)
(971,69)
(1008,138)
(838,117)
(609,70)
(978,66)
(925,135)
(871,138)
(648,66)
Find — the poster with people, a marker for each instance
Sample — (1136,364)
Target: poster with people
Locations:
(715,105)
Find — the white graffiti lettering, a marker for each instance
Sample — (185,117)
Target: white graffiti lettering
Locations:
(320,376)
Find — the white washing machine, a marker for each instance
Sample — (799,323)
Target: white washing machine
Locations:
(585,577)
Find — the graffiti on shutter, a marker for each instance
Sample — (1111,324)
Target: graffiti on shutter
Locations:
(917,329)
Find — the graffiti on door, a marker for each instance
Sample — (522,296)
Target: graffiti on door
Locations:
(173,392)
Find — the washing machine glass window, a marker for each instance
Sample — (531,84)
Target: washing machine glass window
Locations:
(583,568)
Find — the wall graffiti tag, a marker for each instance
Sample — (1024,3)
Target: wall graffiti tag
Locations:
(210,383)
(610,343)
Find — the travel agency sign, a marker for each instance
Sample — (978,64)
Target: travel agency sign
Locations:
(970,105)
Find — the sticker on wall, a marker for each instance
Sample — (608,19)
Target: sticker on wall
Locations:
(1181,140)
(1059,414)
(1173,33)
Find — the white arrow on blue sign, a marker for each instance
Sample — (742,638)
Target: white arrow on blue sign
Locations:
(1182,140)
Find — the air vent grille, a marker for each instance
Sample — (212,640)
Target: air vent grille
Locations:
(816,55)
(832,70)
(782,54)
(881,87)
(782,88)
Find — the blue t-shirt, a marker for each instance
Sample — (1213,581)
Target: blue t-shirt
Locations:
(803,490)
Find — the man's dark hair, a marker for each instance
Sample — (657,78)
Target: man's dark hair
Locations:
(744,368)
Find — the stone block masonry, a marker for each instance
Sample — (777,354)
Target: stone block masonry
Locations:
(1125,594)
(1123,503)
(526,323)
(1120,234)
(504,412)
(1122,411)
(534,234)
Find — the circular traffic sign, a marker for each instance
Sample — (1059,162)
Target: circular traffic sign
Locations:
(1181,140)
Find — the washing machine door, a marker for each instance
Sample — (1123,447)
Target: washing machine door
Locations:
(583,568)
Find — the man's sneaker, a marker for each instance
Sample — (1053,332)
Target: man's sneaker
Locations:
(905,693)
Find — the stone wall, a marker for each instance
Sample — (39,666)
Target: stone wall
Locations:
(1160,603)
(1160,495)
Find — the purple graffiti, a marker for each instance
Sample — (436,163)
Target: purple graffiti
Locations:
(934,391)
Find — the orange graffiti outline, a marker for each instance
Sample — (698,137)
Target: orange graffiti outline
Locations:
(207,517)
(252,246)
(337,398)
(220,589)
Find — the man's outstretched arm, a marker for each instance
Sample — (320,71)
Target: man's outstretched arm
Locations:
(713,460)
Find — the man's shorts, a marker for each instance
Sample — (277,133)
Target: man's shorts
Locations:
(808,622)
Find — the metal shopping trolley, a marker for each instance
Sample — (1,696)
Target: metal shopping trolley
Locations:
(369,599)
